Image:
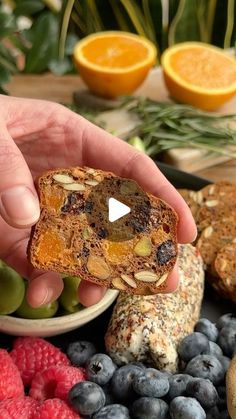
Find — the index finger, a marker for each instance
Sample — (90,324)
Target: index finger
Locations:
(104,151)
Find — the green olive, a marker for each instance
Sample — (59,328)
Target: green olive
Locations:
(12,290)
(43,312)
(69,299)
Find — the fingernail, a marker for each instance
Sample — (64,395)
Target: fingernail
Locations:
(195,236)
(20,205)
(48,297)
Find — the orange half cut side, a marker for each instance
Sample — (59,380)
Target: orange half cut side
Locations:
(199,74)
(113,63)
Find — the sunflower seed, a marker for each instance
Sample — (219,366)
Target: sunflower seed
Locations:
(91,182)
(118,284)
(212,203)
(129,280)
(74,187)
(60,178)
(146,276)
(208,232)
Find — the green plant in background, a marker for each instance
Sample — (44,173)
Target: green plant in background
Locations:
(39,35)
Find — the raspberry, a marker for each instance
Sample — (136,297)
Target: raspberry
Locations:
(21,408)
(32,355)
(56,409)
(55,382)
(10,380)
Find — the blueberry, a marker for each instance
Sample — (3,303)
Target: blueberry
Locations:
(204,391)
(122,382)
(224,414)
(186,408)
(225,361)
(213,413)
(222,399)
(86,397)
(138,364)
(215,350)
(192,345)
(100,369)
(208,328)
(228,319)
(227,340)
(110,399)
(112,411)
(178,384)
(79,352)
(206,366)
(151,383)
(167,374)
(149,408)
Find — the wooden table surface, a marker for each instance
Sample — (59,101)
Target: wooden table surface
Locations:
(61,89)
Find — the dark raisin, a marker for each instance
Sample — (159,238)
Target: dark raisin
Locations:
(137,226)
(74,204)
(65,208)
(102,233)
(72,198)
(88,207)
(85,251)
(165,252)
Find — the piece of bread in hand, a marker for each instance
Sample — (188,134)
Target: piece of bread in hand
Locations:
(134,254)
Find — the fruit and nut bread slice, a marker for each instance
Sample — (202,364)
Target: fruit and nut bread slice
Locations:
(150,328)
(225,267)
(214,210)
(214,237)
(192,198)
(218,201)
(74,236)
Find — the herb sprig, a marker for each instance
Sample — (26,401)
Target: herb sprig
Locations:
(164,126)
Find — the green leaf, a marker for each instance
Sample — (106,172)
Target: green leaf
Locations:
(71,40)
(173,7)
(220,23)
(6,54)
(5,75)
(230,23)
(7,24)
(28,7)
(155,7)
(184,26)
(60,67)
(45,43)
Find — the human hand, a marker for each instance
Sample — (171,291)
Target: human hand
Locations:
(36,136)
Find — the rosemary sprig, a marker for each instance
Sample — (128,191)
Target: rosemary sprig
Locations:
(164,126)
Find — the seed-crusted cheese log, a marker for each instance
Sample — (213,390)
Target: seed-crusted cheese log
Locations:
(149,328)
(68,239)
(231,388)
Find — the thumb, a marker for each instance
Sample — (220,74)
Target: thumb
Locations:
(19,205)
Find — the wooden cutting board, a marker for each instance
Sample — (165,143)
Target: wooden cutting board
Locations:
(62,89)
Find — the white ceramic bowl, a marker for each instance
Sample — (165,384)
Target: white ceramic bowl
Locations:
(56,325)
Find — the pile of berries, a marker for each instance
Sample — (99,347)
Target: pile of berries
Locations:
(38,381)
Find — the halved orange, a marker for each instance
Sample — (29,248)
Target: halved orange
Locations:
(199,74)
(114,63)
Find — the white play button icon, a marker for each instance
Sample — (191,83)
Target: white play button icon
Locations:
(116,209)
